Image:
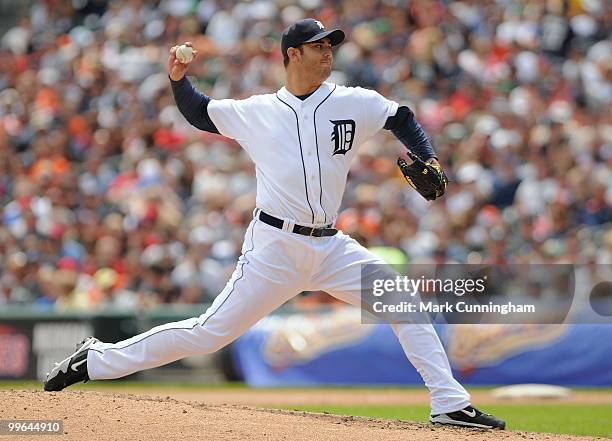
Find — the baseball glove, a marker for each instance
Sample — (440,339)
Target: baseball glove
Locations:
(428,179)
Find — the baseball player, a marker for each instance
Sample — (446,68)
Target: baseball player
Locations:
(302,140)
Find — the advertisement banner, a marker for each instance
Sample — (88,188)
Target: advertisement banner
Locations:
(336,348)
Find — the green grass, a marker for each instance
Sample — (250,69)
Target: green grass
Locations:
(574,419)
(127,385)
(133,384)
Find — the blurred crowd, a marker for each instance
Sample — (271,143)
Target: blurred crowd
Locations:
(110,198)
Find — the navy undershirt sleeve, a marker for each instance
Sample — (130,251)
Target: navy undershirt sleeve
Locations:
(193,105)
(410,133)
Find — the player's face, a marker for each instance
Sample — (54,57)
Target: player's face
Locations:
(318,58)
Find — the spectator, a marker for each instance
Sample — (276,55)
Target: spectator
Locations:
(110,198)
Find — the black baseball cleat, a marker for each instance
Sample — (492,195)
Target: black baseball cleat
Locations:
(469,417)
(72,370)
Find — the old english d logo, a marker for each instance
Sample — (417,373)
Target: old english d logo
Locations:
(343,135)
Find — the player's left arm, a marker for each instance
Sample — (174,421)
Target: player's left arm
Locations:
(381,112)
(409,132)
(424,174)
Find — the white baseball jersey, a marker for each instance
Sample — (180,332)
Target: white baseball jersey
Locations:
(303,149)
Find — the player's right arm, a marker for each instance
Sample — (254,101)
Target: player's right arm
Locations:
(190,102)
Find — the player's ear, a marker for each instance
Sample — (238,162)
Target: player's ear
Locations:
(294,53)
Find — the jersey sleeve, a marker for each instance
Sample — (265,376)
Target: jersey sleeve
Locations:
(231,117)
(377,109)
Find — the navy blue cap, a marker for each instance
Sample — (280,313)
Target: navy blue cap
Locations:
(307,31)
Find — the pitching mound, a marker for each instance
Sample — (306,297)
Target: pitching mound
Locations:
(111,416)
(347,397)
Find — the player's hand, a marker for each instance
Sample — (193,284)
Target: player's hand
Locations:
(434,162)
(425,177)
(176,69)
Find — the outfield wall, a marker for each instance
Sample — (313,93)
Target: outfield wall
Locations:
(325,347)
(335,348)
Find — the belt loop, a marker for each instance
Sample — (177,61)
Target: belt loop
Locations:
(288,225)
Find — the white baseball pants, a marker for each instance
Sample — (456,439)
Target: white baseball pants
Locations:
(276,265)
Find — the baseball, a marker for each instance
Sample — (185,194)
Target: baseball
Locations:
(184,54)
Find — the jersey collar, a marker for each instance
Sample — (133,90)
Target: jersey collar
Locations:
(318,96)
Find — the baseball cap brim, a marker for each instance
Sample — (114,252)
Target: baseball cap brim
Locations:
(336,36)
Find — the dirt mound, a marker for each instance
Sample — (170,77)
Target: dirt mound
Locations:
(111,416)
(348,397)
